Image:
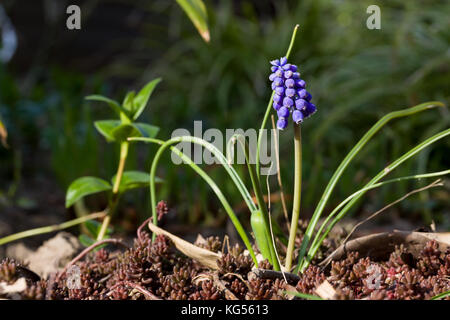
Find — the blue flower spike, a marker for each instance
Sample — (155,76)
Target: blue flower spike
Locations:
(291,97)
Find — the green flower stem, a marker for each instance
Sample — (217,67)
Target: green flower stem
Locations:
(297,196)
(204,175)
(124,146)
(48,229)
(269,106)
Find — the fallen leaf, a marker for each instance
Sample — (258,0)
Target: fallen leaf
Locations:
(203,256)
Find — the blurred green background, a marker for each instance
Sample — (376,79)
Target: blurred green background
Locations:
(355,75)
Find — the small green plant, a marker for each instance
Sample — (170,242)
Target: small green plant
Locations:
(116,131)
(290,98)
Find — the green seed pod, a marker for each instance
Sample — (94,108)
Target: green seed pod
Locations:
(259,230)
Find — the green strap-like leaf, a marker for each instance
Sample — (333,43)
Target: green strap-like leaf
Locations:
(350,156)
(83,187)
(141,99)
(196,11)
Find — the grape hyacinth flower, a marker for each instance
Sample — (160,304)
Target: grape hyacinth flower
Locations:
(290,96)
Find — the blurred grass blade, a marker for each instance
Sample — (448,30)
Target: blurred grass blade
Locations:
(344,164)
(196,11)
(3,134)
(304,295)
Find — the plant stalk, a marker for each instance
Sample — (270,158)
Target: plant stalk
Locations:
(297,195)
(124,146)
(48,229)
(269,107)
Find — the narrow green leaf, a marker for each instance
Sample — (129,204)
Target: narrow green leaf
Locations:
(112,103)
(106,127)
(441,295)
(128,102)
(141,99)
(85,186)
(303,262)
(352,154)
(147,130)
(134,179)
(304,295)
(196,11)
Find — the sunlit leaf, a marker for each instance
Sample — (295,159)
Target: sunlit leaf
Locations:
(134,179)
(83,187)
(106,127)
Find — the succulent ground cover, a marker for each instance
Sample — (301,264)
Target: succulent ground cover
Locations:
(157,270)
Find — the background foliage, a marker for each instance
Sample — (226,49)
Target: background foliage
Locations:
(356,75)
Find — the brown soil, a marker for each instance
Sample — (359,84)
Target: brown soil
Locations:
(156,270)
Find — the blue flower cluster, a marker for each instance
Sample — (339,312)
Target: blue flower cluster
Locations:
(290,96)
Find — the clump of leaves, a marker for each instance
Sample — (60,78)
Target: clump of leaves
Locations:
(116,131)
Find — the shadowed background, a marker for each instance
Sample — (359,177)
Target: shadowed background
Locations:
(355,75)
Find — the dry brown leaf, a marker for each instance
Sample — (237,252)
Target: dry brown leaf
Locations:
(203,256)
(380,245)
